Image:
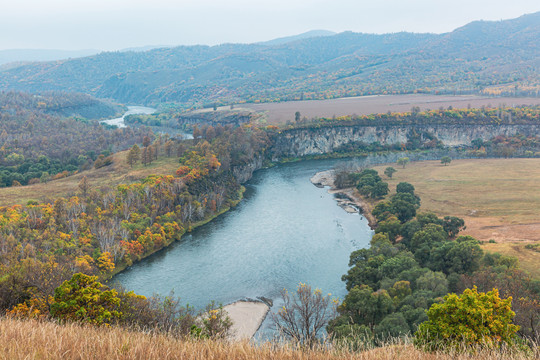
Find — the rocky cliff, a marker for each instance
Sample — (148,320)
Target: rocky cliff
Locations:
(316,141)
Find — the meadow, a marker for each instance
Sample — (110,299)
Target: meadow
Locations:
(119,172)
(278,113)
(498,199)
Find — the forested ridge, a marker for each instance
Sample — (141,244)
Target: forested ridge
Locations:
(38,143)
(486,57)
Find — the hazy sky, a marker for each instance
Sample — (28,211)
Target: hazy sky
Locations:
(117,24)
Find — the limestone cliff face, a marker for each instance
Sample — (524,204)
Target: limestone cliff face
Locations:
(243,173)
(315,141)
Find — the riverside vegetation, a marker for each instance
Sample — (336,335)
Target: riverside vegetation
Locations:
(49,251)
(414,260)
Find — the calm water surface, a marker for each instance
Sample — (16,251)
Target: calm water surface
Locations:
(285,231)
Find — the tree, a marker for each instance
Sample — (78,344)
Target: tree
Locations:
(405,187)
(380,190)
(133,155)
(472,318)
(304,314)
(83,298)
(297,116)
(392,326)
(365,307)
(146,141)
(445,160)
(403,161)
(84,186)
(147,156)
(389,171)
(453,225)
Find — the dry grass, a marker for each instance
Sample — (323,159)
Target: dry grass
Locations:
(498,198)
(46,340)
(117,173)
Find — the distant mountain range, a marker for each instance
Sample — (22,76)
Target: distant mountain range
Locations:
(29,55)
(480,56)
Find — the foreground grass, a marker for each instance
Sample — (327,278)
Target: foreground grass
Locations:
(28,339)
(117,173)
(498,198)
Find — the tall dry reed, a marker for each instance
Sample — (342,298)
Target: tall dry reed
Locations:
(28,339)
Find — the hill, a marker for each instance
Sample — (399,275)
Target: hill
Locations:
(492,57)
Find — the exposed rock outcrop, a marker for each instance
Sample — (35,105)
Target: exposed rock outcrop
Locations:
(316,141)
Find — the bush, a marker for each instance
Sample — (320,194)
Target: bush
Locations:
(472,318)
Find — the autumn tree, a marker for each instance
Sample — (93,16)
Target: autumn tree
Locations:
(83,298)
(147,156)
(472,318)
(168,147)
(84,186)
(304,314)
(146,141)
(133,155)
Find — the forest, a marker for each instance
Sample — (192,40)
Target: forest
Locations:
(101,231)
(39,143)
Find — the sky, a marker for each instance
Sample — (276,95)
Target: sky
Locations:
(120,24)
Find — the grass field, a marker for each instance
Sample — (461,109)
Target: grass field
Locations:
(498,198)
(280,112)
(117,173)
(46,340)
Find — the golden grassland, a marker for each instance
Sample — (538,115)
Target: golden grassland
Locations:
(29,339)
(117,173)
(499,199)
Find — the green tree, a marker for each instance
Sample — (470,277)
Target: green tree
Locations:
(391,227)
(363,306)
(297,116)
(433,281)
(453,225)
(389,171)
(403,161)
(392,326)
(445,160)
(380,190)
(472,318)
(405,187)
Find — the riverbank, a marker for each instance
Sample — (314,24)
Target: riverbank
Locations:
(348,198)
(246,317)
(123,265)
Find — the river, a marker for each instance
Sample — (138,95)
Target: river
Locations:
(285,231)
(132,110)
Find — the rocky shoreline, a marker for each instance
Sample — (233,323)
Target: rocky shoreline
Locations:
(348,198)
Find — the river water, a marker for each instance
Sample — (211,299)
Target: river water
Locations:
(285,231)
(132,110)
